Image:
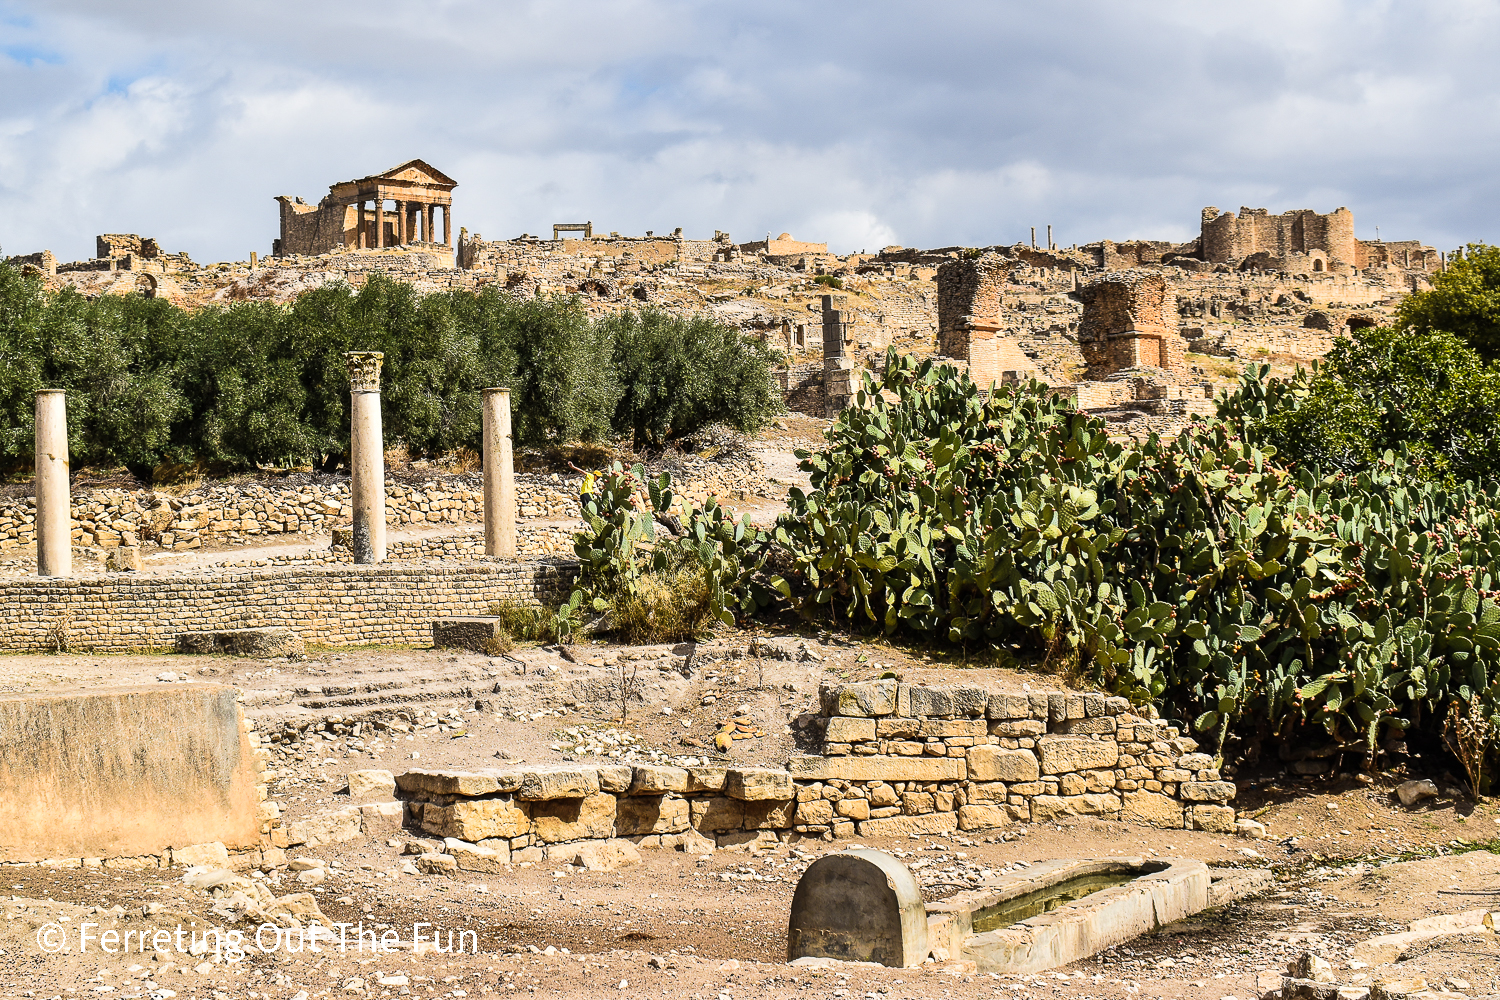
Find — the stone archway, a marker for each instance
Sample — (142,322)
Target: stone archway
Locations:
(1357,322)
(146,285)
(1318,264)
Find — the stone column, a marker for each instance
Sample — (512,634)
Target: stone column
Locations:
(54,521)
(427,227)
(401,223)
(366,456)
(359,225)
(447,225)
(380,222)
(499,477)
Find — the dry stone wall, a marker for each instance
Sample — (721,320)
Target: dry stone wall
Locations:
(898,760)
(388,604)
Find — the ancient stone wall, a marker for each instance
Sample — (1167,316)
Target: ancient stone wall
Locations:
(898,760)
(1124,324)
(384,604)
(1291,241)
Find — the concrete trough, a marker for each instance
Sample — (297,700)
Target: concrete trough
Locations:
(864,905)
(1137,896)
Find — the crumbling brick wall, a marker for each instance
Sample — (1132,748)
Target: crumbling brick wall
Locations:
(1124,323)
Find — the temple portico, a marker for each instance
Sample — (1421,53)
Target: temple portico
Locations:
(399,207)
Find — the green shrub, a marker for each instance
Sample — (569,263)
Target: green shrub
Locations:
(829,281)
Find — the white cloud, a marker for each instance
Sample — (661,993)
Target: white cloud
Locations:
(860,123)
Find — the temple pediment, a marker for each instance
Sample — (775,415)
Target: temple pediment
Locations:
(417,172)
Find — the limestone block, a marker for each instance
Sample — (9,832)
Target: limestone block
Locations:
(842,729)
(437,864)
(717,814)
(477,820)
(706,779)
(326,828)
(598,855)
(615,778)
(759,784)
(982,817)
(992,763)
(474,858)
(816,811)
(214,855)
(559,782)
(769,814)
(1102,724)
(652,779)
(125,559)
(1045,808)
(265,642)
(1214,819)
(1152,809)
(1002,707)
(878,768)
(865,699)
(1061,754)
(373,783)
(461,783)
(380,819)
(1195,762)
(592,817)
(986,791)
(902,826)
(855,809)
(1018,728)
(473,633)
(921,729)
(1207,791)
(645,815)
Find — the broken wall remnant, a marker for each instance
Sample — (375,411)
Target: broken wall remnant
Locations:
(969,329)
(838,370)
(1300,240)
(415,190)
(125,772)
(1124,323)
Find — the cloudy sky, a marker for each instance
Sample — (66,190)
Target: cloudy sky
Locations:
(865,123)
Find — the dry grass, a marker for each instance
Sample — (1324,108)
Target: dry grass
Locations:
(460,461)
(668,607)
(523,623)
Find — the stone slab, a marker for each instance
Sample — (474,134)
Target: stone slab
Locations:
(878,768)
(273,641)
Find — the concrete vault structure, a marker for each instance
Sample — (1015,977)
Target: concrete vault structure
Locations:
(396,208)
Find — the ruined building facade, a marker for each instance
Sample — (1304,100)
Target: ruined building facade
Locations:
(1125,325)
(396,208)
(1297,241)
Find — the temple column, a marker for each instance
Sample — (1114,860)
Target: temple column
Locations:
(499,476)
(427,228)
(401,223)
(54,520)
(380,222)
(359,224)
(447,225)
(366,456)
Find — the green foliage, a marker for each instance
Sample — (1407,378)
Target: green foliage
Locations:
(1248,598)
(533,623)
(686,373)
(1464,300)
(263,384)
(829,281)
(1422,394)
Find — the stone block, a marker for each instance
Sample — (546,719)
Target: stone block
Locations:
(597,855)
(706,779)
(373,783)
(1102,724)
(982,817)
(644,815)
(759,784)
(380,819)
(1207,791)
(816,811)
(332,827)
(717,814)
(992,763)
(855,809)
(652,779)
(1152,809)
(1018,728)
(1061,754)
(266,642)
(878,768)
(1045,808)
(466,784)
(437,864)
(125,559)
(477,819)
(861,906)
(864,699)
(902,826)
(615,778)
(474,858)
(559,782)
(466,633)
(214,855)
(842,729)
(1214,819)
(1195,762)
(1002,707)
(769,814)
(921,729)
(592,817)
